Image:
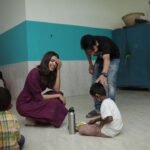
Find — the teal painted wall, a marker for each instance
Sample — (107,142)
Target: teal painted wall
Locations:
(29,40)
(13,45)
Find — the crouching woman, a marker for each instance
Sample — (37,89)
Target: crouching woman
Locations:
(39,108)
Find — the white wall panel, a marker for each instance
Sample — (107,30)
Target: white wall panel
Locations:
(75,78)
(15,74)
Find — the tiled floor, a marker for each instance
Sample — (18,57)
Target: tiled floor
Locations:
(135,109)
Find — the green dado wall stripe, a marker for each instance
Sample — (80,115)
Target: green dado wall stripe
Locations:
(29,40)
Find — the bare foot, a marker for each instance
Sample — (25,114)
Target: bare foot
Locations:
(29,121)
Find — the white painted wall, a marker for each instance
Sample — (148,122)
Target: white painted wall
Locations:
(15,75)
(94,13)
(12,12)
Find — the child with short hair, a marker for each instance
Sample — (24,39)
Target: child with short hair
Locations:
(10,137)
(110,120)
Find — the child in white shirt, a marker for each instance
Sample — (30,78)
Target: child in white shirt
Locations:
(110,118)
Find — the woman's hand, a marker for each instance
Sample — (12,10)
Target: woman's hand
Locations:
(59,64)
(62,98)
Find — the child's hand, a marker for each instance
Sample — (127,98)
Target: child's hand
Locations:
(92,121)
(101,124)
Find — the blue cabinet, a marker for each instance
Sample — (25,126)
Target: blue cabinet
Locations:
(134,45)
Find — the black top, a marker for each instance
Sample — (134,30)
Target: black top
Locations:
(107,46)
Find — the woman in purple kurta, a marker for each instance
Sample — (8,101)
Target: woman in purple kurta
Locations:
(46,108)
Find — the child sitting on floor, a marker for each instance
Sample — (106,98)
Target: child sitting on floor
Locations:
(110,121)
(10,137)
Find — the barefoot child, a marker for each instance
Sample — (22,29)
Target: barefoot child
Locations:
(110,121)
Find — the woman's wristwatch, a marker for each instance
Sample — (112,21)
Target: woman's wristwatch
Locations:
(104,74)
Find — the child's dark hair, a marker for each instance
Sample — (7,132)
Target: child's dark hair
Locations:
(97,88)
(5,99)
(1,75)
(87,41)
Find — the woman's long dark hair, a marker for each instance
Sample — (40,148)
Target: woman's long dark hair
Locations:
(47,77)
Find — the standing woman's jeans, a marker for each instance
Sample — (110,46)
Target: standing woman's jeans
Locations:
(112,78)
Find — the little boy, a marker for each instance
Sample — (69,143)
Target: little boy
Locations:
(110,121)
(10,137)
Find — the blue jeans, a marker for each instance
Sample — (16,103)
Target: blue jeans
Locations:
(112,78)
